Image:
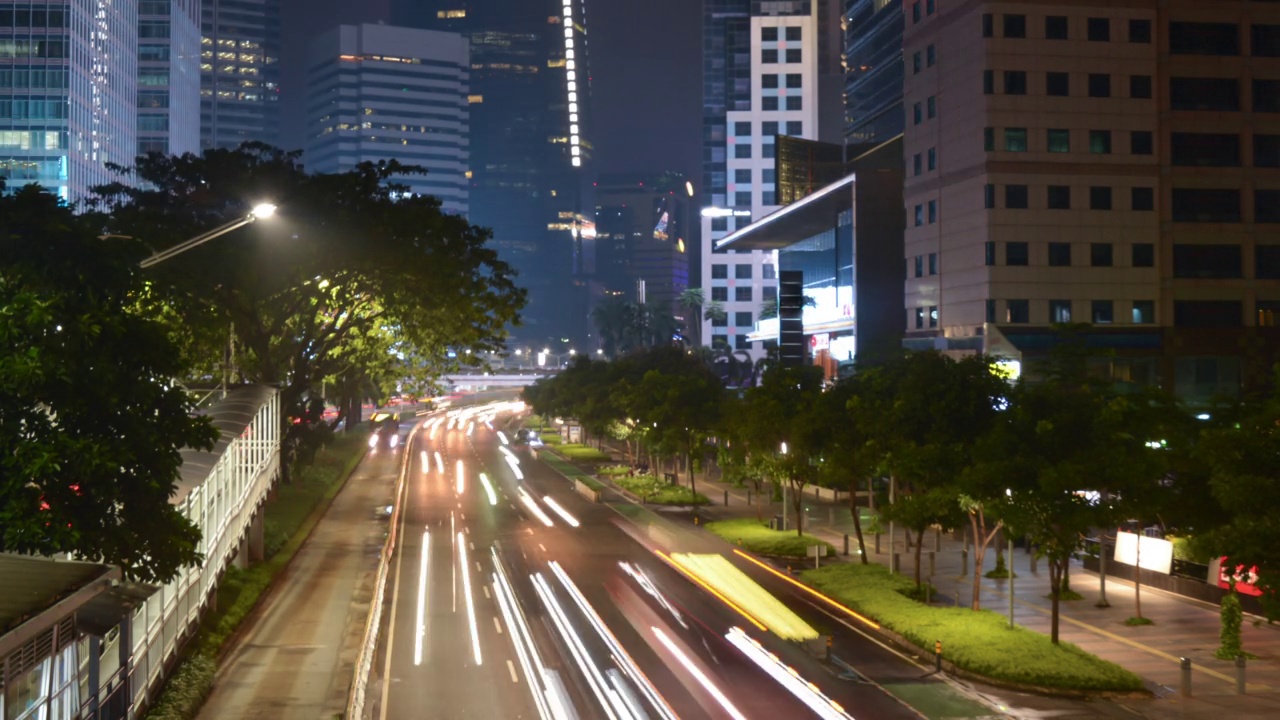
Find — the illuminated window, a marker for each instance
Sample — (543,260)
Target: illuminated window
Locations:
(451,14)
(475,99)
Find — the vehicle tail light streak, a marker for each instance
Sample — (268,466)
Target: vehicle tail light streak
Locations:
(533,508)
(466,592)
(614,707)
(702,584)
(620,655)
(546,699)
(811,591)
(804,691)
(696,673)
(557,509)
(488,489)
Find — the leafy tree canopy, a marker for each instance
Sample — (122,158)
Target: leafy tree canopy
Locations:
(91,423)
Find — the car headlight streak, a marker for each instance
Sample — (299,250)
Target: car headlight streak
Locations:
(488,489)
(804,691)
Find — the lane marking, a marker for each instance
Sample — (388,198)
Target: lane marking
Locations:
(512,669)
(486,592)
(421,623)
(498,626)
(544,547)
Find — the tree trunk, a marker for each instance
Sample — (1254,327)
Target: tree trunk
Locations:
(797,502)
(1055,594)
(1137,577)
(919,545)
(979,555)
(857,522)
(693,485)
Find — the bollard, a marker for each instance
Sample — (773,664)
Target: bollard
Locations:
(748,497)
(932,568)
(937,540)
(739,542)
(893,563)
(964,562)
(726,498)
(1186,676)
(1033,564)
(828,648)
(877,543)
(831,516)
(846,543)
(957,598)
(937,656)
(1239,674)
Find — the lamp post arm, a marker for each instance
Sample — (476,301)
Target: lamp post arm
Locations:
(180,248)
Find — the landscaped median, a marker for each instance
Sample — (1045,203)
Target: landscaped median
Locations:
(979,643)
(583,483)
(659,492)
(757,537)
(289,520)
(575,451)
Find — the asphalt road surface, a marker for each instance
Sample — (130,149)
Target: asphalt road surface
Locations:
(534,603)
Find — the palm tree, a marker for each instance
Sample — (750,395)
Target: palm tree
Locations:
(692,300)
(612,319)
(768,310)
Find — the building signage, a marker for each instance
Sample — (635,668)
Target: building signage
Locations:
(820,342)
(1153,554)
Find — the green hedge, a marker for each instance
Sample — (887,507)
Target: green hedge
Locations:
(575,451)
(613,470)
(978,642)
(660,492)
(756,537)
(185,691)
(550,438)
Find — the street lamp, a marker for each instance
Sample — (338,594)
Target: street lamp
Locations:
(1009,494)
(261,210)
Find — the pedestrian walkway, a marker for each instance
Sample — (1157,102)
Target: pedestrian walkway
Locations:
(1182,628)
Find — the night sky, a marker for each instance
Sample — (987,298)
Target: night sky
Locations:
(646,77)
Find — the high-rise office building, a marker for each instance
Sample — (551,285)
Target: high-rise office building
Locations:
(762,78)
(377,92)
(874,71)
(68,86)
(168,76)
(530,118)
(1098,163)
(641,238)
(239,72)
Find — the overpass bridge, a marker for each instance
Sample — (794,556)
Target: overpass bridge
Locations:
(476,381)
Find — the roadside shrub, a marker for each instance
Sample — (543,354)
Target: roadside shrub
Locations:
(758,538)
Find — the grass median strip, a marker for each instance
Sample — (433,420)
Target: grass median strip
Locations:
(288,520)
(574,451)
(571,472)
(755,536)
(978,642)
(660,492)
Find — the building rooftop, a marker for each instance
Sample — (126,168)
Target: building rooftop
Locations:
(788,225)
(35,584)
(231,415)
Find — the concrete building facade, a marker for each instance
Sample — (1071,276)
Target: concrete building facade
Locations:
(377,92)
(239,72)
(1116,164)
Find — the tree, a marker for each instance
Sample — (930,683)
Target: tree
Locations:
(927,413)
(850,456)
(678,401)
(91,422)
(349,256)
(692,300)
(786,429)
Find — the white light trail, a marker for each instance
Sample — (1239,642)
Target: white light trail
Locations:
(424,461)
(471,607)
(532,505)
(620,655)
(698,675)
(488,489)
(423,566)
(462,478)
(439,462)
(470,426)
(515,467)
(604,694)
(564,514)
(642,578)
(527,652)
(503,437)
(805,691)
(509,455)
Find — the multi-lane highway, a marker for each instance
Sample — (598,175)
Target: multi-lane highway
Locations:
(513,597)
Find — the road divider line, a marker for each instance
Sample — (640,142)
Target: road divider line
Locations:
(420,626)
(511,668)
(497,626)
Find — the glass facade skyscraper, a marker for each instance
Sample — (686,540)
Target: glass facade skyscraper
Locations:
(873,82)
(726,85)
(68,85)
(530,121)
(168,76)
(239,72)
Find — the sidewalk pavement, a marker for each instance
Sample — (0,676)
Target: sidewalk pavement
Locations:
(1182,627)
